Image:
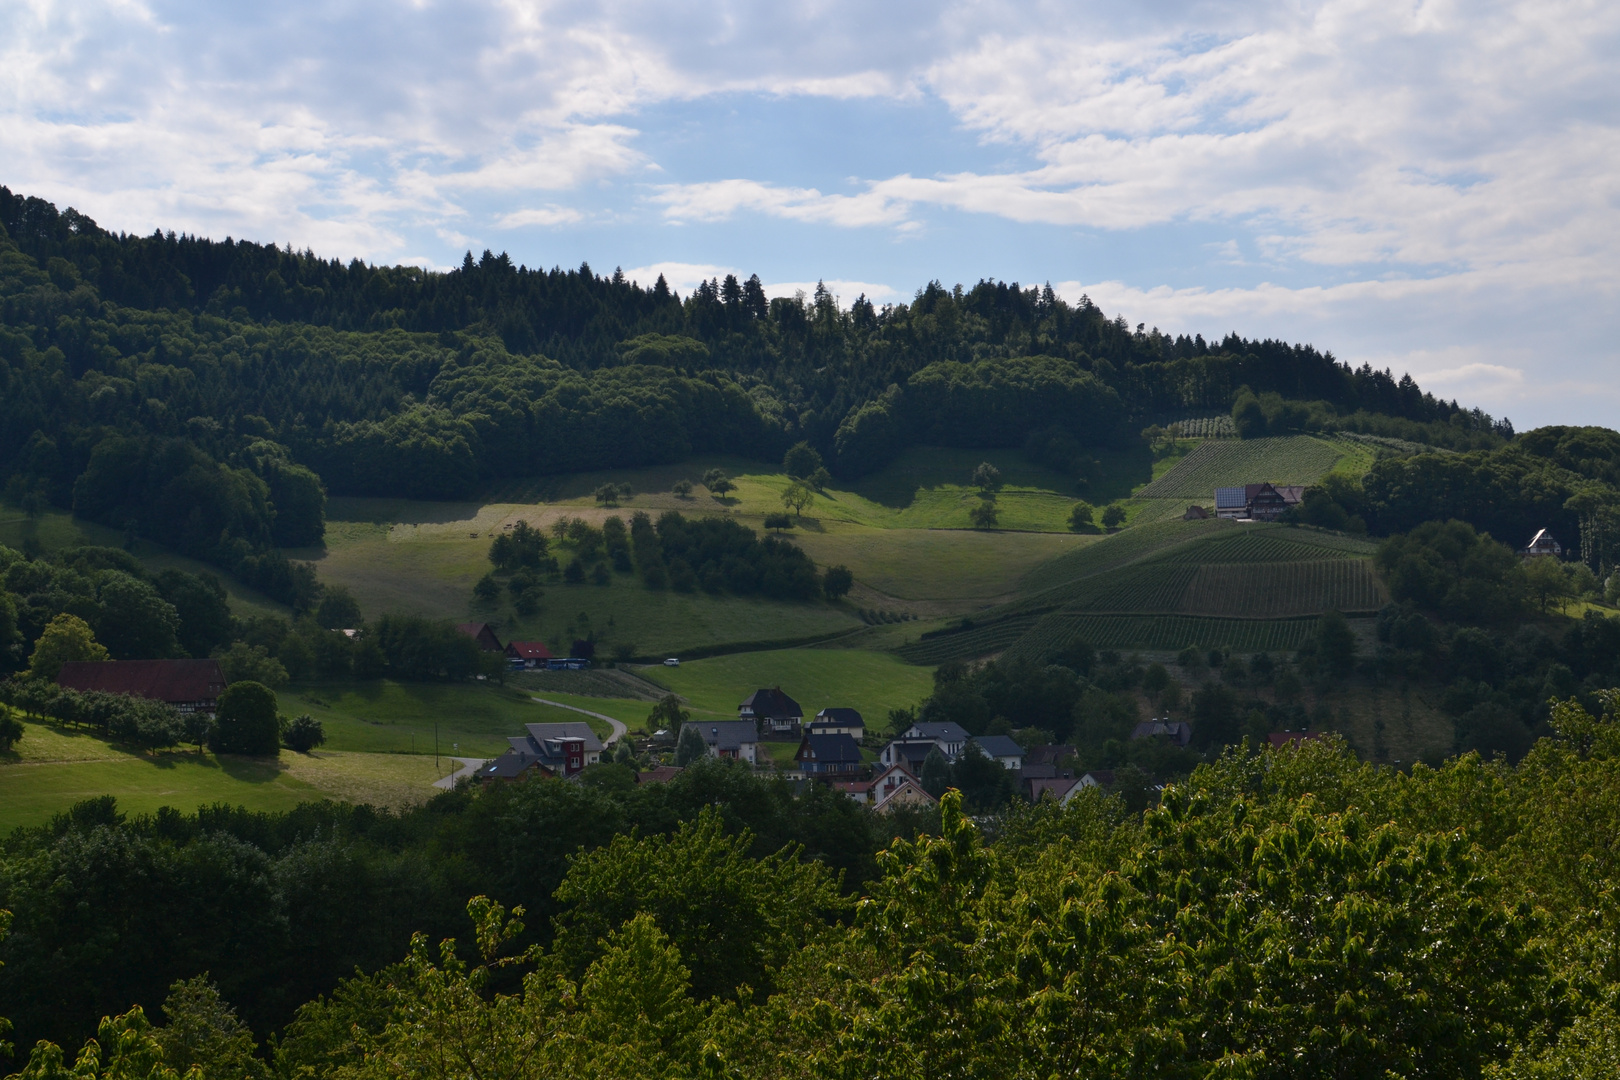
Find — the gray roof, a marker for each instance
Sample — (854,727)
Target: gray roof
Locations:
(912,749)
(829,748)
(727,734)
(999,746)
(846,717)
(510,764)
(569,729)
(943,731)
(1231,498)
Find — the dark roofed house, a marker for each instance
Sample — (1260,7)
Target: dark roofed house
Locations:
(482,633)
(561,750)
(529,654)
(1178,732)
(1002,749)
(949,736)
(188,685)
(773,712)
(1267,502)
(510,766)
(838,722)
(828,755)
(1049,754)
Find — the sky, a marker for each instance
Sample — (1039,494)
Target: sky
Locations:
(1432,187)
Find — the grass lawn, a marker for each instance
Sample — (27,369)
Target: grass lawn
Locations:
(384,716)
(872,682)
(50,770)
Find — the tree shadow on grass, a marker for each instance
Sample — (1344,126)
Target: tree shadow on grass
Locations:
(251,770)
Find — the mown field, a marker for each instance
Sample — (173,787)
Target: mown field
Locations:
(873,682)
(50,770)
(384,716)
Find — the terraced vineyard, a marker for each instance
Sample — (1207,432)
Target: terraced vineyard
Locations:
(1297,459)
(1159,632)
(1280,590)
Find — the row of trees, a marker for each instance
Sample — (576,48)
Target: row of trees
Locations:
(677,552)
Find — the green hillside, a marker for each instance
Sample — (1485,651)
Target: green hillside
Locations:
(1245,586)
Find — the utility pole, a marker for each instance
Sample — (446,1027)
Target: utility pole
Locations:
(435,746)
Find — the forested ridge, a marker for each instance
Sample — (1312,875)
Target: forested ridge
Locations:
(395,380)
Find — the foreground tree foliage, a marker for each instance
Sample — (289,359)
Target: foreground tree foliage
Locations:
(1291,913)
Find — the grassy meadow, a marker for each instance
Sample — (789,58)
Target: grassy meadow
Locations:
(873,682)
(50,769)
(388,717)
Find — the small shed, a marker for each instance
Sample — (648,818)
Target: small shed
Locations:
(1195,513)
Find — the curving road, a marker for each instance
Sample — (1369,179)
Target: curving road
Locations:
(619,729)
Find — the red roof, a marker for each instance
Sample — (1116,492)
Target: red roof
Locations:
(174,681)
(659,774)
(527,650)
(1291,738)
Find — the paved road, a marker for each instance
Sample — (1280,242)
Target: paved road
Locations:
(618,728)
(469,765)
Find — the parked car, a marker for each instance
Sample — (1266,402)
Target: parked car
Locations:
(672,662)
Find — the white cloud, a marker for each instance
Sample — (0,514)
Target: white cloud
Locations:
(720,199)
(680,276)
(540,215)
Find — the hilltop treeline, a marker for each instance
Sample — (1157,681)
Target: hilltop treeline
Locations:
(395,380)
(1290,913)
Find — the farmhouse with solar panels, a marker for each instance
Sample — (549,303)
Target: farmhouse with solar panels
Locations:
(1257,502)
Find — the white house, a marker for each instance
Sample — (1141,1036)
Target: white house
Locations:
(737,739)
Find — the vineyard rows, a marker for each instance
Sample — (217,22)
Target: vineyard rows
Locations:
(1297,459)
(966,644)
(1160,632)
(1279,590)
(1119,550)
(1258,546)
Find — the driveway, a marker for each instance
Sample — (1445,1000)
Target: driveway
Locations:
(618,728)
(467,766)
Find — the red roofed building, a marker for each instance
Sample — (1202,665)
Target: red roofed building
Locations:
(482,633)
(188,685)
(528,653)
(1280,739)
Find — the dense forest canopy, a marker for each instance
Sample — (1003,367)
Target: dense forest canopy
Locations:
(496,370)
